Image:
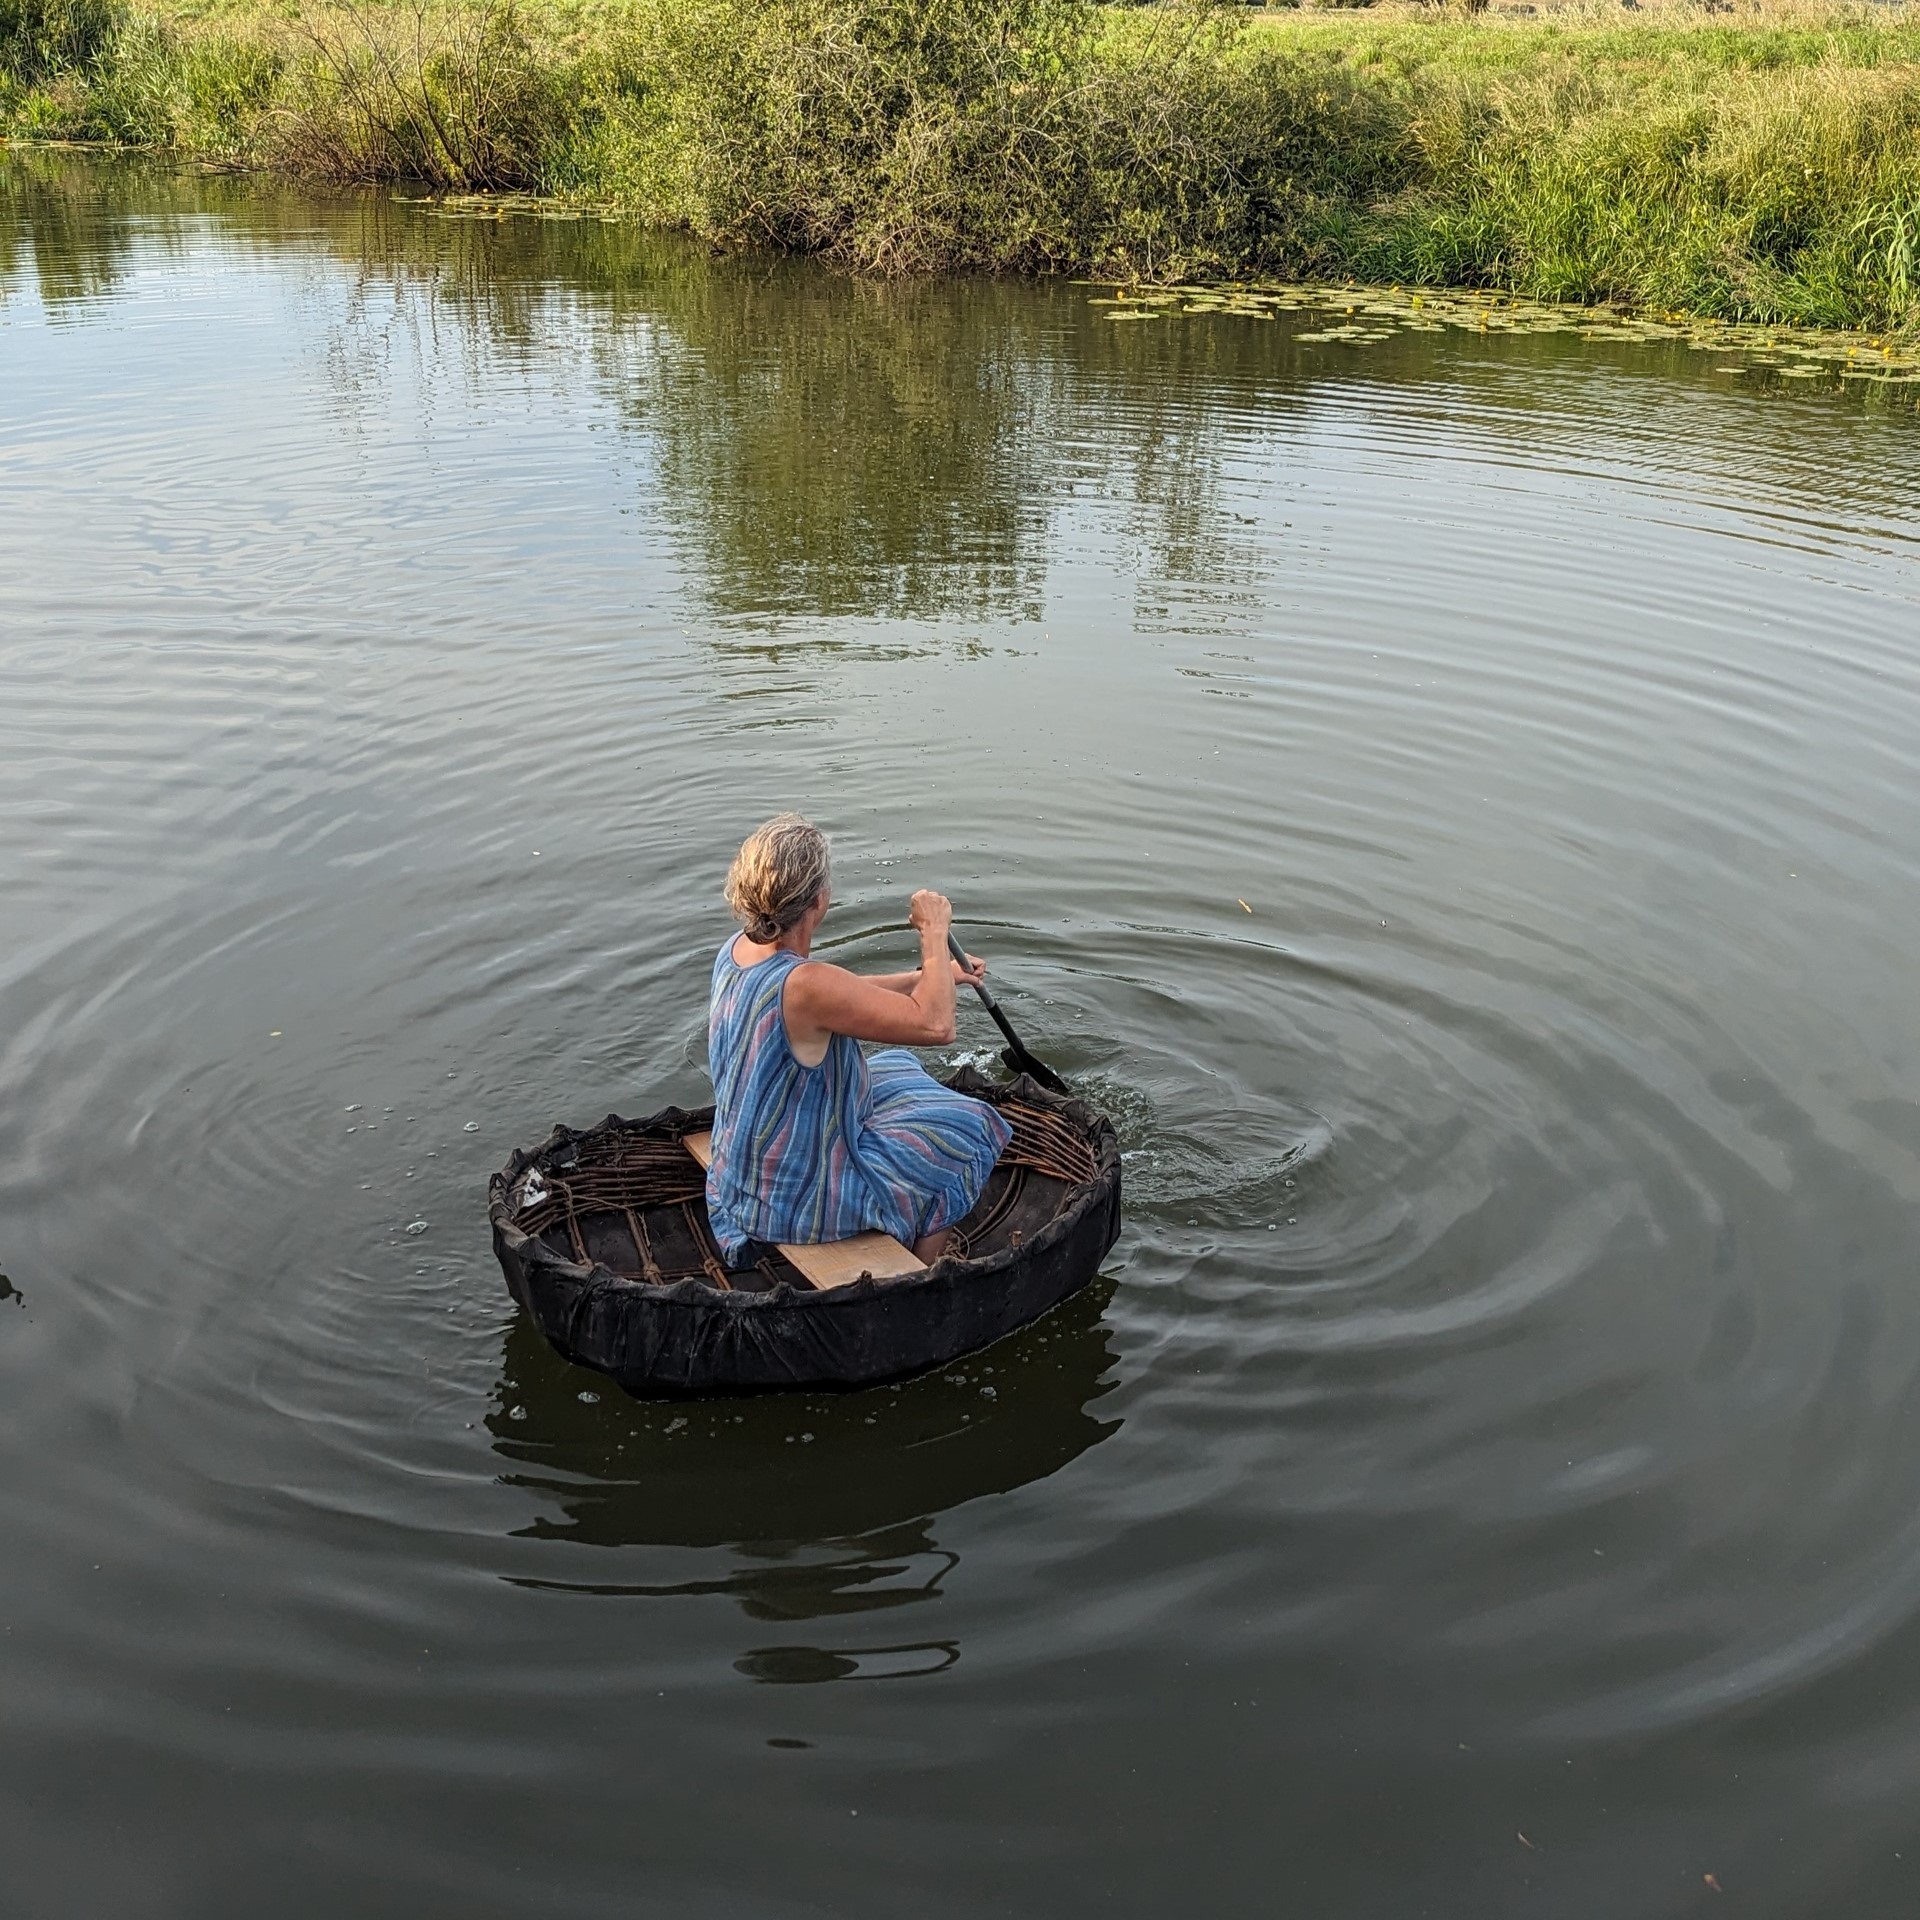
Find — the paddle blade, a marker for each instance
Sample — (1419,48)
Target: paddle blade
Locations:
(1021,1061)
(1016,1055)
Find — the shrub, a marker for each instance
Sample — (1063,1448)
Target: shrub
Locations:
(1028,134)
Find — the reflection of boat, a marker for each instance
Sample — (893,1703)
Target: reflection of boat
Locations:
(604,1240)
(807,1666)
(829,1504)
(610,1473)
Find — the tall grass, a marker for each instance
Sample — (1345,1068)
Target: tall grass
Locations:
(39,38)
(1779,194)
(456,98)
(1764,168)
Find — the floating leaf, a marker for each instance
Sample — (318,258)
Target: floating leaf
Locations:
(1366,316)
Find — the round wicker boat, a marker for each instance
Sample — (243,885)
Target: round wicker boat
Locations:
(604,1240)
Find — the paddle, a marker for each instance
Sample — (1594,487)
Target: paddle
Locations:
(1016,1055)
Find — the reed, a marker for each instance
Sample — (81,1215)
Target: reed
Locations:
(458,99)
(1760,165)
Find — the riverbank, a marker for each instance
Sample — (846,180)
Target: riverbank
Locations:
(1760,165)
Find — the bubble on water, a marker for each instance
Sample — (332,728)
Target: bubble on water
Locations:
(472,1126)
(417,1226)
(588,1398)
(516,1413)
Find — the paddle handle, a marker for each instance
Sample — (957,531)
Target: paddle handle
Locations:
(979,986)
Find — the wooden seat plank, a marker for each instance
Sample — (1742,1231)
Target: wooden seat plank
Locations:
(833,1263)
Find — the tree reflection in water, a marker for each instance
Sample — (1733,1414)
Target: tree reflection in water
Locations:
(825,1505)
(831,457)
(829,449)
(69,230)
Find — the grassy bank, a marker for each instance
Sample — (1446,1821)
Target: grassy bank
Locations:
(1760,164)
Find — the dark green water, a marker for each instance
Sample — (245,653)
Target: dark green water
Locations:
(401,620)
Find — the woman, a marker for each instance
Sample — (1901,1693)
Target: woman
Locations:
(812,1140)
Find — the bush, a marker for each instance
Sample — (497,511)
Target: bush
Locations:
(1007,134)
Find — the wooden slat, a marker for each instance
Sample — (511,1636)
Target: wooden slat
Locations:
(834,1263)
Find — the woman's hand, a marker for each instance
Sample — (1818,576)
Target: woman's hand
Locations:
(931,912)
(914,1009)
(972,974)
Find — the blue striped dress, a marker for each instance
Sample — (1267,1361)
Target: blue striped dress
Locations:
(805,1154)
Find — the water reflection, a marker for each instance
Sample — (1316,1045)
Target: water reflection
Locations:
(825,1506)
(831,449)
(1531,1453)
(823,450)
(72,229)
(806,1666)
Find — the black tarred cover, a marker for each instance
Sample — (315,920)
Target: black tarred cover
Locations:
(692,1338)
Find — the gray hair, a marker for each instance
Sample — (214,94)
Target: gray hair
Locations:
(779,872)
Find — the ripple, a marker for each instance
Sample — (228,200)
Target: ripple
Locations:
(1454,809)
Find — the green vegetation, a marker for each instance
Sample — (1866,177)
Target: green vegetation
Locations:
(1761,166)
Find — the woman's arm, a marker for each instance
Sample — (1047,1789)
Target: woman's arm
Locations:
(820,1000)
(968,976)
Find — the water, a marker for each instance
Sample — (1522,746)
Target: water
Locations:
(1499,1415)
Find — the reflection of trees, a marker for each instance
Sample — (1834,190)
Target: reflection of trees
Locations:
(836,448)
(72,224)
(820,446)
(825,446)
(827,1503)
